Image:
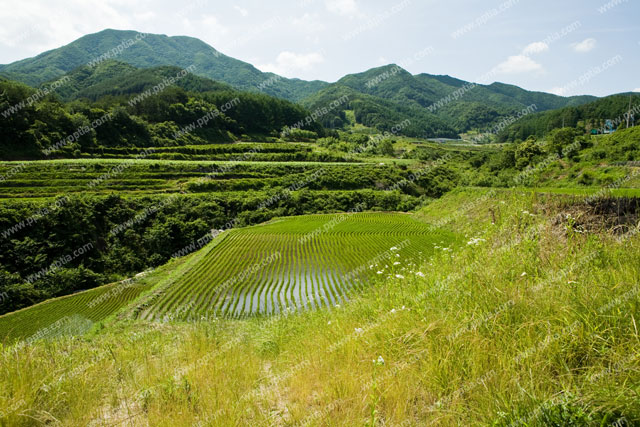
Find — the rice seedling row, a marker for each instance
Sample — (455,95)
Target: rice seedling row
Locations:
(277,266)
(92,306)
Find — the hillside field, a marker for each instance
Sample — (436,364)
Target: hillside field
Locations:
(285,265)
(529,320)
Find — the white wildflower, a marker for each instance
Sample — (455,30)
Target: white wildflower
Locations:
(475,241)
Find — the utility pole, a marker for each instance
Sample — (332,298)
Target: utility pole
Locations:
(629,112)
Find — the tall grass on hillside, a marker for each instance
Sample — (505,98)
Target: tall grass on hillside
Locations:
(531,321)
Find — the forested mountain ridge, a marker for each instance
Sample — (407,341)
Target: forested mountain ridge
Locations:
(116,105)
(378,113)
(115,78)
(455,105)
(152,50)
(592,116)
(114,62)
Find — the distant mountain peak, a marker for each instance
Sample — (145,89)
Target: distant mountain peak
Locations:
(144,50)
(382,96)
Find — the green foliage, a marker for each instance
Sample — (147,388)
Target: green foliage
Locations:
(526,153)
(169,118)
(300,135)
(377,113)
(587,118)
(386,147)
(462,336)
(435,106)
(154,50)
(245,193)
(114,78)
(559,139)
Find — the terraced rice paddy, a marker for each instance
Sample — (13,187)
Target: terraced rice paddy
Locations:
(51,178)
(78,311)
(298,263)
(295,264)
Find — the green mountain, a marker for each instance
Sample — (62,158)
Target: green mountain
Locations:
(454,105)
(152,50)
(592,116)
(375,112)
(113,62)
(118,78)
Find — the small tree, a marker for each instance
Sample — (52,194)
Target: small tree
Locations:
(526,153)
(559,139)
(386,147)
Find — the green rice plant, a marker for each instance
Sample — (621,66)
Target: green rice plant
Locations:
(306,262)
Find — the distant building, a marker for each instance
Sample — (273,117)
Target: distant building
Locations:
(608,127)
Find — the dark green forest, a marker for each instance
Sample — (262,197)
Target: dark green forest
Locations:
(589,117)
(109,115)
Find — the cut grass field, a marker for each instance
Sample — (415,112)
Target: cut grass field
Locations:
(530,322)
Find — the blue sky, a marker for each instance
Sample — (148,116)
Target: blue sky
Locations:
(566,47)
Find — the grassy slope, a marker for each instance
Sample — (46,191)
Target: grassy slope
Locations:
(477,342)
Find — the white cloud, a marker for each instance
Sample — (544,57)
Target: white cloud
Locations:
(241,11)
(536,47)
(637,89)
(518,64)
(287,63)
(584,46)
(210,29)
(309,23)
(145,16)
(37,26)
(342,7)
(560,91)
